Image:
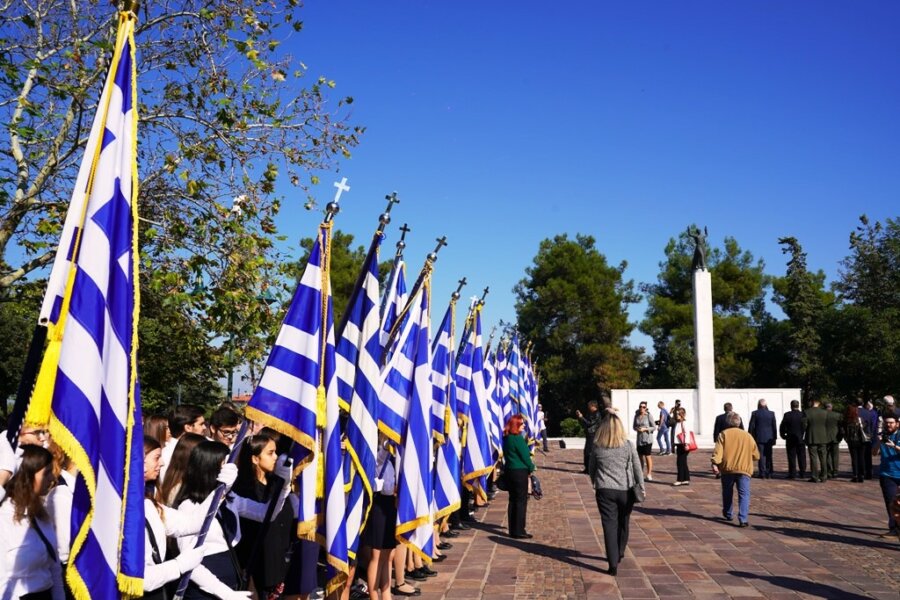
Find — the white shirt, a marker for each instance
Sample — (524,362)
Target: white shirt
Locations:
(59,505)
(175,523)
(25,564)
(7,456)
(215,539)
(166,457)
(385,479)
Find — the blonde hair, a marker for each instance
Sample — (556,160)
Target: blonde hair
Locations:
(611,433)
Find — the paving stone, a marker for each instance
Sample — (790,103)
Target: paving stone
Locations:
(805,541)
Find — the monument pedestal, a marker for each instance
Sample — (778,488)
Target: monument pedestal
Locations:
(704,409)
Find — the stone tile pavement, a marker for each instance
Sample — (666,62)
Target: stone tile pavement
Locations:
(805,540)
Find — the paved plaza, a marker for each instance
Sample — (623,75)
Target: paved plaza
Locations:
(805,540)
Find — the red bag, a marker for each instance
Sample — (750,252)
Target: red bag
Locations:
(687,438)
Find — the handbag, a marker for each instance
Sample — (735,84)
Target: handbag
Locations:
(636,491)
(500,482)
(687,439)
(536,492)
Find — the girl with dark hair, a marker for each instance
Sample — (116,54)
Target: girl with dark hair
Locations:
(219,574)
(173,473)
(162,521)
(266,559)
(518,468)
(29,565)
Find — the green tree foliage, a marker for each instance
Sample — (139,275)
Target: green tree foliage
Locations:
(859,339)
(803,298)
(572,305)
(175,357)
(738,285)
(19,308)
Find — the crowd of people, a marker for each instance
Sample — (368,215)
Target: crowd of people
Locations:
(251,548)
(618,468)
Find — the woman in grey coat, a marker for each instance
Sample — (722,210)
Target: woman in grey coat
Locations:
(644,426)
(614,468)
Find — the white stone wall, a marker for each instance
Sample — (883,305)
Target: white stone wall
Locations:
(701,421)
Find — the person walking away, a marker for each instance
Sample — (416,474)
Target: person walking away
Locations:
(590,424)
(672,432)
(764,430)
(856,436)
(518,468)
(542,424)
(644,427)
(682,436)
(870,418)
(793,432)
(834,429)
(721,423)
(614,469)
(889,475)
(816,441)
(733,458)
(662,431)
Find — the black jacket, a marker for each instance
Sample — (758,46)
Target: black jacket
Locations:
(722,424)
(793,426)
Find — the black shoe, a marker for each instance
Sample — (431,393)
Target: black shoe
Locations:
(417,575)
(813,480)
(522,536)
(398,592)
(792,477)
(726,517)
(463,527)
(744,524)
(444,546)
(450,533)
(440,558)
(427,572)
(613,571)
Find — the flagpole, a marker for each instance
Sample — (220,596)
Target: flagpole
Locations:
(429,261)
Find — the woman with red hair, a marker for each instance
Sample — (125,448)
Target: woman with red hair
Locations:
(518,467)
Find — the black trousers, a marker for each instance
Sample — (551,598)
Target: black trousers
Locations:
(615,514)
(817,466)
(796,455)
(766,466)
(681,461)
(867,459)
(857,460)
(833,458)
(588,446)
(517,483)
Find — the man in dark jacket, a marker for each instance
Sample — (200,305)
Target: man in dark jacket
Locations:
(869,417)
(816,440)
(590,422)
(834,432)
(721,424)
(765,431)
(793,432)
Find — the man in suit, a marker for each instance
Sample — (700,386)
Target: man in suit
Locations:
(765,432)
(833,428)
(816,441)
(793,432)
(869,418)
(721,424)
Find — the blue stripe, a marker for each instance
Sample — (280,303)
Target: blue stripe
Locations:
(97,574)
(304,313)
(297,365)
(132,553)
(123,76)
(75,412)
(88,307)
(283,409)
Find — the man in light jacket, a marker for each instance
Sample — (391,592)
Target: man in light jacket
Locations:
(733,457)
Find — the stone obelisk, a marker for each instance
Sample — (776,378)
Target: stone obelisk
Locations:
(703,337)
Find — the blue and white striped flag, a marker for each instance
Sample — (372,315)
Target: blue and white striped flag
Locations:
(297,396)
(514,368)
(407,390)
(446,472)
(503,386)
(495,426)
(476,460)
(390,423)
(87,389)
(359,378)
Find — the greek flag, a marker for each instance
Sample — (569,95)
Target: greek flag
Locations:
(390,423)
(297,396)
(407,390)
(495,427)
(515,392)
(502,390)
(87,388)
(477,461)
(446,473)
(527,407)
(358,375)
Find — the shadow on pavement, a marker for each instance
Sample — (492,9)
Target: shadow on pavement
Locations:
(829,525)
(564,555)
(673,512)
(828,537)
(819,590)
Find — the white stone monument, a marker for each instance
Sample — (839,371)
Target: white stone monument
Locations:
(704,353)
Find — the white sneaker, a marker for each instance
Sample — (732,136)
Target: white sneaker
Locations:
(677,483)
(649,478)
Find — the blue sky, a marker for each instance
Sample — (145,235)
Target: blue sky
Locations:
(501,124)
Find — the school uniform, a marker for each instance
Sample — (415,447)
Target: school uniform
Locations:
(382,522)
(29,566)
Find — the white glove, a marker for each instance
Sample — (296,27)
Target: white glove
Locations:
(284,469)
(379,484)
(228,474)
(232,595)
(189,559)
